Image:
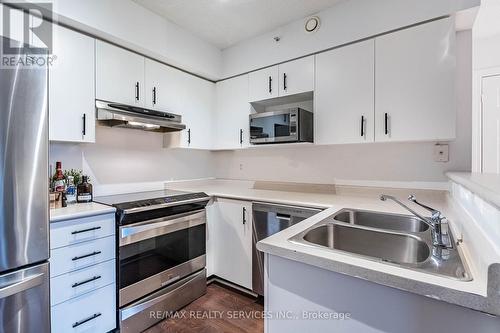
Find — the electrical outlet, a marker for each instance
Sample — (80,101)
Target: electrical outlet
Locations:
(441,153)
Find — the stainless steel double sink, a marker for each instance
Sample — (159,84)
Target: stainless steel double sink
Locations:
(400,240)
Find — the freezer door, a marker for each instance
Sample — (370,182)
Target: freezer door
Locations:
(23,167)
(24,300)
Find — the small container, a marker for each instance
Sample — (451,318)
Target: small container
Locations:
(84,191)
(71,190)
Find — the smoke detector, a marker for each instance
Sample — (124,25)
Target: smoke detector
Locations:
(311,24)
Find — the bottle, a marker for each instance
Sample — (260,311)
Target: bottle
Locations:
(84,191)
(71,190)
(59,184)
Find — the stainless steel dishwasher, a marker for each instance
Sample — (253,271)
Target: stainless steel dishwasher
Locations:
(269,219)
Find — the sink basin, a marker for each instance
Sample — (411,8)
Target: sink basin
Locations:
(399,240)
(381,220)
(397,248)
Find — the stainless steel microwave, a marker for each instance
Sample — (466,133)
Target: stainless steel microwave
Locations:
(290,125)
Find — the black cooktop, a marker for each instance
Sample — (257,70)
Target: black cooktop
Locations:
(151,198)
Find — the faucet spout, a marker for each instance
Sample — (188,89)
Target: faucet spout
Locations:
(434,222)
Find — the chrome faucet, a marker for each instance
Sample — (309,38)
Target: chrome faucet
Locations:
(439,238)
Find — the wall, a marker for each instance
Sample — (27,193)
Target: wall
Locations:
(128,24)
(128,156)
(344,22)
(400,162)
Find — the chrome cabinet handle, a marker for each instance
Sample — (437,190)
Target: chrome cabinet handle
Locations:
(241,136)
(154,96)
(270,84)
(189,136)
(244,215)
(22,285)
(284,81)
(84,230)
(83,321)
(86,255)
(77,284)
(137,91)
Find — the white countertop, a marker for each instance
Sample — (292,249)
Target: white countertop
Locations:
(367,199)
(485,185)
(79,210)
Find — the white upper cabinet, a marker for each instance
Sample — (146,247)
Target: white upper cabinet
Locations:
(119,75)
(71,88)
(196,108)
(232,114)
(296,76)
(263,84)
(344,95)
(293,77)
(415,83)
(165,87)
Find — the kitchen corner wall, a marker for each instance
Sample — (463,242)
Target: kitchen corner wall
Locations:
(403,162)
(129,156)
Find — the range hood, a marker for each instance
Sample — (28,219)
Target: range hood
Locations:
(122,115)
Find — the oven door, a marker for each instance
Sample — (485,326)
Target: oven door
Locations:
(156,253)
(276,126)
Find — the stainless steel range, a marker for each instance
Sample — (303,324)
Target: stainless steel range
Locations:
(161,251)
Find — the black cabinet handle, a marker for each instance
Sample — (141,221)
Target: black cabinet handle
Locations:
(270,85)
(241,136)
(86,255)
(154,96)
(84,127)
(386,123)
(189,136)
(83,321)
(84,230)
(244,215)
(362,125)
(284,81)
(77,284)
(137,91)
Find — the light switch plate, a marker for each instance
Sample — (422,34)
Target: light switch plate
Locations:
(441,153)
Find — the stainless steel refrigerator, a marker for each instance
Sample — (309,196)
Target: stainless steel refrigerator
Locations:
(24,214)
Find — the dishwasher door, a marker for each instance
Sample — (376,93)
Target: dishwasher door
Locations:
(269,219)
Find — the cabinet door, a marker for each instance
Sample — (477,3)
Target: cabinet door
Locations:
(231,114)
(344,95)
(415,83)
(233,246)
(119,75)
(71,87)
(296,76)
(491,124)
(164,87)
(198,105)
(263,84)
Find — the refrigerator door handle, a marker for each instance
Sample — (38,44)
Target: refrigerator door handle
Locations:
(22,285)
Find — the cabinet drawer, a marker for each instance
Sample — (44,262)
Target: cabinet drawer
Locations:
(92,312)
(81,230)
(73,284)
(74,257)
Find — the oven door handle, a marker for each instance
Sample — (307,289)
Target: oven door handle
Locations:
(143,231)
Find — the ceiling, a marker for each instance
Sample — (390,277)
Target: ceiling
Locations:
(227,22)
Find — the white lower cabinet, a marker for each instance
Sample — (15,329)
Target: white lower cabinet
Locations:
(232,240)
(92,312)
(83,275)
